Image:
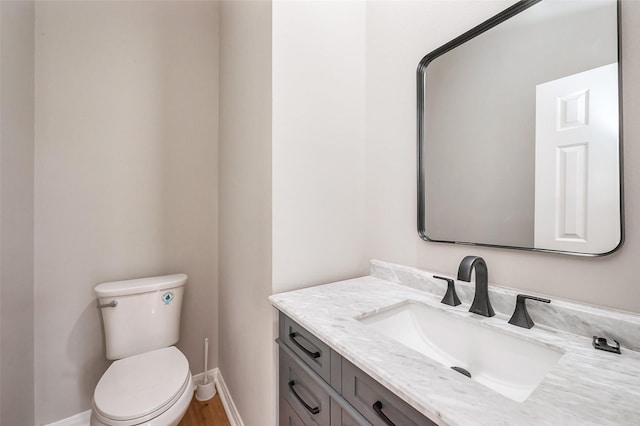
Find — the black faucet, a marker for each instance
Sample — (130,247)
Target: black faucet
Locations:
(450,297)
(520,315)
(481,304)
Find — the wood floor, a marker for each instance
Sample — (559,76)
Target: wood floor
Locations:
(207,413)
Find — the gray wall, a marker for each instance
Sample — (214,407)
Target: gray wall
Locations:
(480,133)
(16,212)
(399,34)
(245,318)
(125,177)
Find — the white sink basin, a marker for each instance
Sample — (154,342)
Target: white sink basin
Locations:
(511,366)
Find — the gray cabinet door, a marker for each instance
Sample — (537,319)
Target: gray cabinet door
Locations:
(303,393)
(375,402)
(341,416)
(288,416)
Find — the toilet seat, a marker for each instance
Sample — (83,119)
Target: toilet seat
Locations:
(136,389)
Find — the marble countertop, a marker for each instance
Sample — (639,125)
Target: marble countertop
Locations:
(585,387)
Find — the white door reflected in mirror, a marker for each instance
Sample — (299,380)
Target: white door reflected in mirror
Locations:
(577,197)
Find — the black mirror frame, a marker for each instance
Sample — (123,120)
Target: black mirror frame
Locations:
(474,32)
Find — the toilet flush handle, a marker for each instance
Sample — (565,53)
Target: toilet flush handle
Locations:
(111,304)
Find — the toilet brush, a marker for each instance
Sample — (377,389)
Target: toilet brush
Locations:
(206,389)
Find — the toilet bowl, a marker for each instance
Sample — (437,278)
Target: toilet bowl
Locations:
(149,382)
(153,388)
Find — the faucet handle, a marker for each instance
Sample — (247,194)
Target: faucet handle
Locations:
(520,315)
(450,297)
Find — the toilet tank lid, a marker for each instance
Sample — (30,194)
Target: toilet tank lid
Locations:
(140,285)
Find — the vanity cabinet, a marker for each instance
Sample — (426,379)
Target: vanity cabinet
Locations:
(319,387)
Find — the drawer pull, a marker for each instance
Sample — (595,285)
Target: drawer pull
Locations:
(292,337)
(377,407)
(312,410)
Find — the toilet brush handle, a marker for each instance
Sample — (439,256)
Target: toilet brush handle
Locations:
(206,356)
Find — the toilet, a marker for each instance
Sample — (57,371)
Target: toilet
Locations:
(149,382)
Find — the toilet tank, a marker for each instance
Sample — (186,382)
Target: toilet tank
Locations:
(146,315)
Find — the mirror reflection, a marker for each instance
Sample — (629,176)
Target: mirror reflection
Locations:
(519,131)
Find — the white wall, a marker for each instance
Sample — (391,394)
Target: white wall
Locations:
(125,177)
(399,34)
(16,212)
(245,318)
(318,142)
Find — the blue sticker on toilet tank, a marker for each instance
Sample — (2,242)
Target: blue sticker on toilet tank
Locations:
(167,297)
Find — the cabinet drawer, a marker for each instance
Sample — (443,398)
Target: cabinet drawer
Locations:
(377,404)
(307,398)
(311,350)
(288,416)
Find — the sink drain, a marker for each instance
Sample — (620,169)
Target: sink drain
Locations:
(462,371)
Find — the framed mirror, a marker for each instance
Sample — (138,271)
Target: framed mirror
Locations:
(519,131)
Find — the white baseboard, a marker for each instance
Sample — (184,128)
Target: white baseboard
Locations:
(229,407)
(80,419)
(83,419)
